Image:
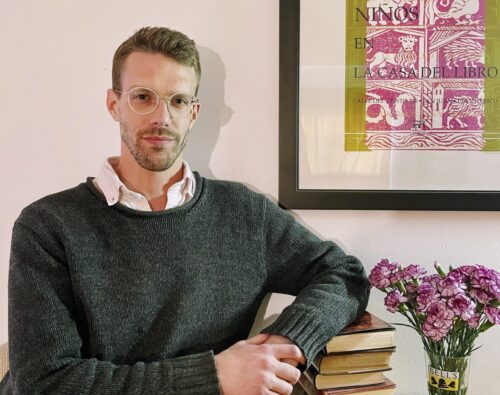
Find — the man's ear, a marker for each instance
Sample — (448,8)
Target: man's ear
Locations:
(194,114)
(112,104)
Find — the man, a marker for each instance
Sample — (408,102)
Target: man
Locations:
(146,279)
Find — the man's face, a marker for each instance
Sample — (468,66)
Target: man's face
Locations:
(155,141)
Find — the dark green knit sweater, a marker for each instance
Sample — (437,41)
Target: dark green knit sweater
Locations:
(110,300)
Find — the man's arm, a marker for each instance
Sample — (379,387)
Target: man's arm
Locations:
(45,343)
(331,287)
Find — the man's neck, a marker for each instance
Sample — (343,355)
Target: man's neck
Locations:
(153,185)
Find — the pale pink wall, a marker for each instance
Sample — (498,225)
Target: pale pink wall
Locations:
(55,68)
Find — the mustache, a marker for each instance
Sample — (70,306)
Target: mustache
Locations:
(157,132)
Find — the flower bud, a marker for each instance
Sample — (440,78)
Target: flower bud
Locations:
(439,269)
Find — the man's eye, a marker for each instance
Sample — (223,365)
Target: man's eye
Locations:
(180,101)
(141,97)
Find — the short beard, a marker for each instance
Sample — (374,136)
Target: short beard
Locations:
(151,162)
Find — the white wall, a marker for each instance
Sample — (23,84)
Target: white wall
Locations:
(56,65)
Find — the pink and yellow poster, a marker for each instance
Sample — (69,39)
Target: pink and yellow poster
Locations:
(422,75)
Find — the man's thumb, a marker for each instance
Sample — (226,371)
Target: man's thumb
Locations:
(259,339)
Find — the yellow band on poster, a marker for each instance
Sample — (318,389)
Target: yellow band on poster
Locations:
(491,132)
(355,88)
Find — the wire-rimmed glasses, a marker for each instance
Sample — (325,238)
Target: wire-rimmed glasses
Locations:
(145,101)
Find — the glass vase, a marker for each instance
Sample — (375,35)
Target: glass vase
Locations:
(447,375)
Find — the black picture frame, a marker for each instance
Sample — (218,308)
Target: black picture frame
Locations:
(291,197)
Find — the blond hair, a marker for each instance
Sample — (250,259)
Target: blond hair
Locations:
(171,43)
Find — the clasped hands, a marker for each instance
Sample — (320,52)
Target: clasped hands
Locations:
(264,364)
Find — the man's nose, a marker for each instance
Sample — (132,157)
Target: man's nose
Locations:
(161,116)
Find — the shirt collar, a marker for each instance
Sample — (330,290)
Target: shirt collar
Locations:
(111,186)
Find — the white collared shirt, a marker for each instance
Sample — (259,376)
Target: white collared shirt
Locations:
(114,190)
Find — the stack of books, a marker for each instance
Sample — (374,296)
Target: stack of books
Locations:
(354,361)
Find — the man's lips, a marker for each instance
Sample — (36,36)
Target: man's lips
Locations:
(157,140)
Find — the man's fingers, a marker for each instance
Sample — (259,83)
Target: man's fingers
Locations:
(254,366)
(281,386)
(287,351)
(289,361)
(259,339)
(287,372)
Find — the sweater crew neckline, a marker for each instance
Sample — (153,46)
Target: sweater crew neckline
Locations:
(118,206)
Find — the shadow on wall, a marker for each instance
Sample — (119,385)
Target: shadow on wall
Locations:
(214,113)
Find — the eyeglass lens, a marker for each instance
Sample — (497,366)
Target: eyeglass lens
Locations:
(145,101)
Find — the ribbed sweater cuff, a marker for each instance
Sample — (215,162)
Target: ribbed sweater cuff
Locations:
(303,329)
(195,374)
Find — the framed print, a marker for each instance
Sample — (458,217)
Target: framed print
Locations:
(390,104)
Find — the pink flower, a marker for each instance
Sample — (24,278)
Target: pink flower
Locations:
(474,321)
(433,280)
(449,308)
(487,279)
(462,306)
(436,331)
(493,314)
(481,295)
(467,269)
(439,321)
(451,285)
(439,312)
(411,288)
(384,274)
(496,291)
(411,272)
(458,275)
(426,296)
(393,299)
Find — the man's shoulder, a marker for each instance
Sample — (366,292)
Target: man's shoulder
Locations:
(61,198)
(223,195)
(59,203)
(232,190)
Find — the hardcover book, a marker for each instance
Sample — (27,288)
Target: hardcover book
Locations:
(354,362)
(334,381)
(368,332)
(387,387)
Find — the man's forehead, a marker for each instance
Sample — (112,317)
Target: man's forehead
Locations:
(155,67)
